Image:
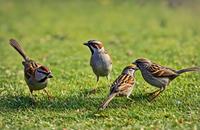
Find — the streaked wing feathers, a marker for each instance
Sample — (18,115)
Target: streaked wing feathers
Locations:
(160,71)
(106,52)
(122,83)
(30,69)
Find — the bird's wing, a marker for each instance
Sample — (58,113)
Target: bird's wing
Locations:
(160,71)
(123,82)
(30,68)
(106,52)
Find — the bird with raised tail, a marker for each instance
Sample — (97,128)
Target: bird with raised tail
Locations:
(100,60)
(159,76)
(35,74)
(122,86)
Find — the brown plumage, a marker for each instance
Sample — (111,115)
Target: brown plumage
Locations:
(159,76)
(100,60)
(122,86)
(35,74)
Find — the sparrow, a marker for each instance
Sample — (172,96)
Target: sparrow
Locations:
(100,60)
(122,86)
(35,74)
(159,76)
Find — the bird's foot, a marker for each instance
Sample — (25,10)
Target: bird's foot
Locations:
(102,106)
(150,94)
(153,96)
(50,97)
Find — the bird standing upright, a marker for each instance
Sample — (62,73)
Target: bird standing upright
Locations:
(159,76)
(100,60)
(35,74)
(122,86)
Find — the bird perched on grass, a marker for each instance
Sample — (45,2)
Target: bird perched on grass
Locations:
(100,60)
(122,86)
(35,74)
(159,76)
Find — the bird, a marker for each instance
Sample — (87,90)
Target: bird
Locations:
(122,86)
(100,60)
(36,75)
(159,76)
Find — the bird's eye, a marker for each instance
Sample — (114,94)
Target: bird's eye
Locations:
(94,45)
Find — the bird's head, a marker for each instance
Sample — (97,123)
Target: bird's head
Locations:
(142,62)
(130,69)
(94,45)
(42,73)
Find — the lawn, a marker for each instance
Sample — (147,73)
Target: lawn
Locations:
(53,32)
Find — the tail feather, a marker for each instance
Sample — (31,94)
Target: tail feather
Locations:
(188,70)
(17,47)
(107,101)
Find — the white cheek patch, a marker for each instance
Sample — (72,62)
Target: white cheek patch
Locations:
(39,76)
(94,49)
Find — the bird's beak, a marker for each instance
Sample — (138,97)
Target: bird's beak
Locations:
(50,75)
(136,68)
(86,44)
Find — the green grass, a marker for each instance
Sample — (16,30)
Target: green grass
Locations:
(52,33)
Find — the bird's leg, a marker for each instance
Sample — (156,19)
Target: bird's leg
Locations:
(32,96)
(49,96)
(97,79)
(151,98)
(129,98)
(108,79)
(93,91)
(156,94)
(153,93)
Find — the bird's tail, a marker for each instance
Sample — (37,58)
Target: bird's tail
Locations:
(107,101)
(19,49)
(188,70)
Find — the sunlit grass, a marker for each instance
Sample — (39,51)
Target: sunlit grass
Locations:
(52,33)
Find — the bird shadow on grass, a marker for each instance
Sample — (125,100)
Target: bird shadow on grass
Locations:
(139,97)
(56,104)
(61,103)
